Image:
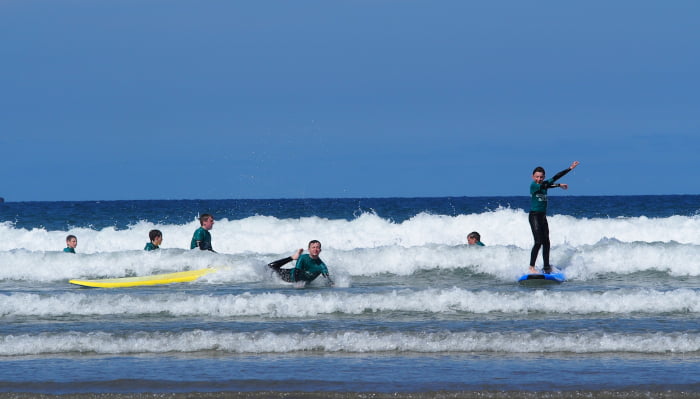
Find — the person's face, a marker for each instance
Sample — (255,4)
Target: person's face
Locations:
(538,177)
(158,240)
(471,240)
(208,224)
(314,250)
(72,243)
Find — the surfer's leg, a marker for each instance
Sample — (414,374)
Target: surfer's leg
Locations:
(540,233)
(533,254)
(545,246)
(532,218)
(279,263)
(284,274)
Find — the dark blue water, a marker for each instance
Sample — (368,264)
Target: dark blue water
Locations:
(121,214)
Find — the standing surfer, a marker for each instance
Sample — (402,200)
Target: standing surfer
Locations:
(538,213)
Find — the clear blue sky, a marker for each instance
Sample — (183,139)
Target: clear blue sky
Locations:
(156,99)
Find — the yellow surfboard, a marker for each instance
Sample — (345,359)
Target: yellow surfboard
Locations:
(156,279)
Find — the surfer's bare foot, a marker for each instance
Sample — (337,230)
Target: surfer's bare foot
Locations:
(532,270)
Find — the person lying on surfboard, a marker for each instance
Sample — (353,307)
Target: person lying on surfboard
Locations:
(202,237)
(538,213)
(308,266)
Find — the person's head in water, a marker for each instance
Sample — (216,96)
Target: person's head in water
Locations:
(71,243)
(314,248)
(156,237)
(473,238)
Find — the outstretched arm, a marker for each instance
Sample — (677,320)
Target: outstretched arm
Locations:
(561,174)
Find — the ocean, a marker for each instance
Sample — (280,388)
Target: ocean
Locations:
(415,311)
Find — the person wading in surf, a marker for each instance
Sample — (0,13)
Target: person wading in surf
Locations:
(202,238)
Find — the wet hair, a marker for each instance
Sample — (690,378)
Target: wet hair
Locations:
(538,169)
(153,234)
(314,242)
(204,217)
(70,237)
(474,234)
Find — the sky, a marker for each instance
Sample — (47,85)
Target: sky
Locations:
(226,99)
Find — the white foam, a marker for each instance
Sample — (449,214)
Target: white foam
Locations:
(364,246)
(282,305)
(348,342)
(266,234)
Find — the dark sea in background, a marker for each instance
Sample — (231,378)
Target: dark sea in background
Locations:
(414,309)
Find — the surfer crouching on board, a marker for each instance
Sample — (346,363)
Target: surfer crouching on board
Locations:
(308,266)
(538,213)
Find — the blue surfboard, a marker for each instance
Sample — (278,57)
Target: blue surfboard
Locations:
(557,277)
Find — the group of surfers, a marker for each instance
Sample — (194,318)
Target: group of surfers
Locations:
(309,266)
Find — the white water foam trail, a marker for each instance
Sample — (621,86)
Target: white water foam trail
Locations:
(347,342)
(281,305)
(504,263)
(269,235)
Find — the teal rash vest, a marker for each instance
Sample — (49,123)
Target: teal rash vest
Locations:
(307,268)
(538,192)
(150,246)
(202,236)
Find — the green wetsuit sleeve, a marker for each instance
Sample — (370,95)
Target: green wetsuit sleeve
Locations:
(197,236)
